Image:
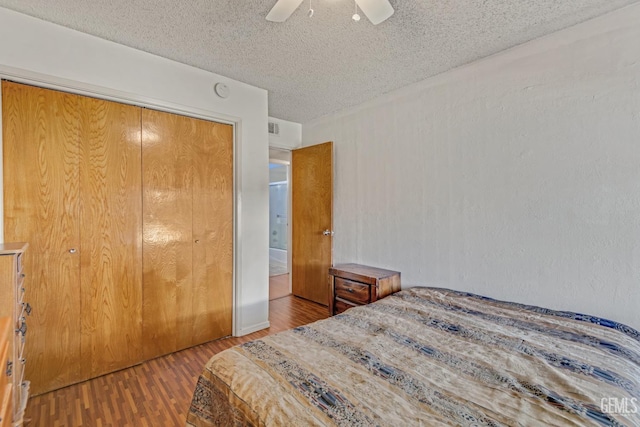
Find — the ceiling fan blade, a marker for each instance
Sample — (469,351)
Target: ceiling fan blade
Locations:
(283,10)
(376,10)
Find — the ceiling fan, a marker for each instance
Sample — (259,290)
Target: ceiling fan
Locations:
(376,10)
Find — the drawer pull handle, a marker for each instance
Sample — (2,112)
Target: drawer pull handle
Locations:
(27,308)
(9,368)
(349,290)
(23,328)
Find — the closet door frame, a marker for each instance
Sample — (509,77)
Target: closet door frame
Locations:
(79,88)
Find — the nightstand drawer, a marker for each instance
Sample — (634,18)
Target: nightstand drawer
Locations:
(352,291)
(342,305)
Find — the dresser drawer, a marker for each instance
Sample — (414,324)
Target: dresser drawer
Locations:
(4,367)
(352,291)
(6,385)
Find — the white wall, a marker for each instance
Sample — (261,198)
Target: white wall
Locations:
(290,136)
(46,53)
(516,177)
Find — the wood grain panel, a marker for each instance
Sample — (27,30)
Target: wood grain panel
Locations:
(111,232)
(41,135)
(210,313)
(158,392)
(312,208)
(167,229)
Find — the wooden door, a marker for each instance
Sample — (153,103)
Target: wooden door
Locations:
(212,233)
(72,182)
(41,140)
(111,232)
(312,221)
(188,231)
(167,229)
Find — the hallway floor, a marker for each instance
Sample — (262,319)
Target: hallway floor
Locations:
(279,286)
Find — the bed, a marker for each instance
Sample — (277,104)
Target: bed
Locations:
(429,357)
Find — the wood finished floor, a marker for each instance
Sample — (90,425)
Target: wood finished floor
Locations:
(279,286)
(156,393)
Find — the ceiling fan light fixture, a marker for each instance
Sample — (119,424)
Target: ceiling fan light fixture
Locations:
(376,10)
(311,11)
(355,16)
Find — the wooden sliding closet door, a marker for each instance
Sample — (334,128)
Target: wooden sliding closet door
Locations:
(167,232)
(187,220)
(212,233)
(41,140)
(111,230)
(72,178)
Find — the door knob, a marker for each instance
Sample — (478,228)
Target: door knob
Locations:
(327,232)
(72,250)
(197,241)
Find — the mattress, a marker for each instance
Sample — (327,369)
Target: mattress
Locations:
(429,357)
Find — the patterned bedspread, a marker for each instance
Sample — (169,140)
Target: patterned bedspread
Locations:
(429,357)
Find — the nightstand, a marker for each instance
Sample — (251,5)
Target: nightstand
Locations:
(351,285)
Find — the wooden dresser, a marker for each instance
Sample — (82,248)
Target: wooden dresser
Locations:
(15,309)
(351,285)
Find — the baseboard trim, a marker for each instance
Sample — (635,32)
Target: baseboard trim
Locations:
(252,329)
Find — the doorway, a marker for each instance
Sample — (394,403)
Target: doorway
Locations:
(279,235)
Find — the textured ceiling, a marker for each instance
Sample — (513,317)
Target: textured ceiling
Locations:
(315,66)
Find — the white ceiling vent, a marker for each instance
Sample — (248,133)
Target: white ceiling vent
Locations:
(274,129)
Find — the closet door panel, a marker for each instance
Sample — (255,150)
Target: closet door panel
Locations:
(213,232)
(111,228)
(41,131)
(167,230)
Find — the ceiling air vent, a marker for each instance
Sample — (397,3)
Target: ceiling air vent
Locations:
(274,129)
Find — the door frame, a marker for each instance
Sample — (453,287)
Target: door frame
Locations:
(289,212)
(85,89)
